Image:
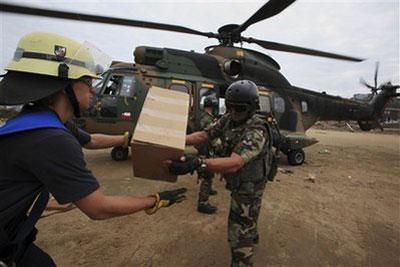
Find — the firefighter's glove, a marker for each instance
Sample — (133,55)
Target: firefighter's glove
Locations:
(167,198)
(127,139)
(188,165)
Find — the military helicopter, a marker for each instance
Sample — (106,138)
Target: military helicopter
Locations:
(121,92)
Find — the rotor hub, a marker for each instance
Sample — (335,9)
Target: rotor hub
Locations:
(229,34)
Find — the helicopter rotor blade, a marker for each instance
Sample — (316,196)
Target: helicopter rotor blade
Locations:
(363,82)
(270,9)
(298,49)
(376,73)
(17,9)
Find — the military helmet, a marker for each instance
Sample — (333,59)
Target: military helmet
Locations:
(243,92)
(210,101)
(45,63)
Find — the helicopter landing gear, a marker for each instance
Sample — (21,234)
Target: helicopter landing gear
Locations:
(296,157)
(119,153)
(365,125)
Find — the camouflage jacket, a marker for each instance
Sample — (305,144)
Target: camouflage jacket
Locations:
(249,140)
(206,119)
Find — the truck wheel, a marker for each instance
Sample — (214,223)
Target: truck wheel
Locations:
(119,153)
(296,157)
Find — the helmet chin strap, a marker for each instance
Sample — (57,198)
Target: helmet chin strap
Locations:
(63,70)
(73,100)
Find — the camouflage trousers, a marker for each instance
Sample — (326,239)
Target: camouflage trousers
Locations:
(242,227)
(205,186)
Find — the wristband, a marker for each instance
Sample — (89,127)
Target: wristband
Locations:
(126,139)
(153,209)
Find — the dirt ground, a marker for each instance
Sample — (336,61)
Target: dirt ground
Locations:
(342,207)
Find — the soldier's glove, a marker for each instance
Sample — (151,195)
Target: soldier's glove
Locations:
(188,165)
(127,139)
(167,198)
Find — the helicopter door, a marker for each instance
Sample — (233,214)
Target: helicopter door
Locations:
(265,104)
(278,107)
(205,89)
(204,92)
(184,87)
(116,101)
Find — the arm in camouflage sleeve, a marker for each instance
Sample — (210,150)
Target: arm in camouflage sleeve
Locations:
(251,144)
(249,147)
(213,131)
(226,164)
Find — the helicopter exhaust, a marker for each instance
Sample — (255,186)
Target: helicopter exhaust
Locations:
(232,67)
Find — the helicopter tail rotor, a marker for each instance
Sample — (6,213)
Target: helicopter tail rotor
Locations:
(376,74)
(375,88)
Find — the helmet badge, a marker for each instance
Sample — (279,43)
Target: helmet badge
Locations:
(60,52)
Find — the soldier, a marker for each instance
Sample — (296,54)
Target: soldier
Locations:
(207,117)
(52,75)
(245,165)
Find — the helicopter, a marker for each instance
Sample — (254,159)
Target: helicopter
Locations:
(121,92)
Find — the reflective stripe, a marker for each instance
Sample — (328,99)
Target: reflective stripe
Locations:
(53,58)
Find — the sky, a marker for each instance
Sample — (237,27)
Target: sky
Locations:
(360,28)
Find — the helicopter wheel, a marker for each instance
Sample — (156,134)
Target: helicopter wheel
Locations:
(296,157)
(365,126)
(119,153)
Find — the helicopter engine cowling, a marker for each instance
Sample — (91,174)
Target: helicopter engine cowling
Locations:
(232,67)
(148,55)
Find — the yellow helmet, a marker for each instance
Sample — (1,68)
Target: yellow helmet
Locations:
(45,63)
(43,53)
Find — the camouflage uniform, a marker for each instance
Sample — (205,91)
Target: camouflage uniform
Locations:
(250,140)
(206,150)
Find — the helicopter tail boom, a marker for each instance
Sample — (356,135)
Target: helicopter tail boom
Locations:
(378,104)
(388,92)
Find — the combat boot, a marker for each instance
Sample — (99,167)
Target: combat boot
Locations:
(206,208)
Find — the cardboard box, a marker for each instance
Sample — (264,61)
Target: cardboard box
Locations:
(160,133)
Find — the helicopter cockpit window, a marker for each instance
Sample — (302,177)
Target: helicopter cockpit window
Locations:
(98,84)
(304,106)
(279,105)
(265,104)
(113,85)
(128,86)
(204,92)
(222,106)
(120,85)
(179,88)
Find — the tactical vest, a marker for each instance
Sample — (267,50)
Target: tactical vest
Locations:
(253,175)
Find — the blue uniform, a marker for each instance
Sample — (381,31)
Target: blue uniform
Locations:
(38,154)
